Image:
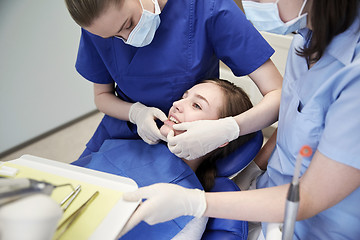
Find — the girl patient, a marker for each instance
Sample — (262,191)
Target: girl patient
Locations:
(209,100)
(148,164)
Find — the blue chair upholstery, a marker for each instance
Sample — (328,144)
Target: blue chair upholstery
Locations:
(225,229)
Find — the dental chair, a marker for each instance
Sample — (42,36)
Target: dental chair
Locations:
(225,229)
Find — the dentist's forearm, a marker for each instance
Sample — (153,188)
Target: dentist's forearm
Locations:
(108,103)
(262,158)
(113,106)
(266,205)
(262,115)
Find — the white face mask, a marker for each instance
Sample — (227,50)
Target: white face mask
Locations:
(144,31)
(265,17)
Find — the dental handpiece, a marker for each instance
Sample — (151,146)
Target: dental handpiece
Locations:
(14,189)
(293,196)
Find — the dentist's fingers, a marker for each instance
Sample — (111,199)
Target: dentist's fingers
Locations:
(183,126)
(135,219)
(160,115)
(170,136)
(175,147)
(153,136)
(172,143)
(140,212)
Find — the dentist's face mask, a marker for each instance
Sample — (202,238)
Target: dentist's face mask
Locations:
(265,17)
(144,31)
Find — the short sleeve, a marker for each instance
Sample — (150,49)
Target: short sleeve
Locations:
(236,42)
(341,137)
(89,63)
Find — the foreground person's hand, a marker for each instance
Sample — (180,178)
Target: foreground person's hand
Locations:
(164,202)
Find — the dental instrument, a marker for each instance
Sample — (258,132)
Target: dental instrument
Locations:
(71,219)
(293,196)
(73,195)
(14,189)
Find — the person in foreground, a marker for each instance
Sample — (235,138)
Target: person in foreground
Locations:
(142,55)
(319,107)
(147,164)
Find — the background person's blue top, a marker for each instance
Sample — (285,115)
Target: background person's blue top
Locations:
(320,107)
(193,35)
(145,164)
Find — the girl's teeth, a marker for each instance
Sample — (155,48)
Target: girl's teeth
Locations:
(173,119)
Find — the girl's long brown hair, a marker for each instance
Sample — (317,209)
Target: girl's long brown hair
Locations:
(236,101)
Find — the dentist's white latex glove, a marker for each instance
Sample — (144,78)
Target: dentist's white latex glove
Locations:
(144,118)
(201,137)
(246,177)
(164,202)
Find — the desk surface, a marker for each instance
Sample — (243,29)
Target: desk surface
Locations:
(117,216)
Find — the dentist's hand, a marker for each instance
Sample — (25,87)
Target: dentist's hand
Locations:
(164,202)
(201,137)
(144,118)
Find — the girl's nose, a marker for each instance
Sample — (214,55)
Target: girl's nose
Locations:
(178,105)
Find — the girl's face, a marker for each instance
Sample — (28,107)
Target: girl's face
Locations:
(119,20)
(201,102)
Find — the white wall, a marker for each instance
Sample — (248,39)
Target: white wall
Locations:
(39,86)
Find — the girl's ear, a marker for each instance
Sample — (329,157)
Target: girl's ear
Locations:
(224,145)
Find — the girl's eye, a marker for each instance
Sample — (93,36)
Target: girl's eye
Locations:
(197,106)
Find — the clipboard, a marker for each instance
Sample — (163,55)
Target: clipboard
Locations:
(118,211)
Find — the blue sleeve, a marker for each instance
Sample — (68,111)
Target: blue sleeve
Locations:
(236,42)
(341,137)
(89,63)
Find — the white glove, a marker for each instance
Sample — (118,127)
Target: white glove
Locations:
(164,202)
(247,176)
(144,118)
(201,137)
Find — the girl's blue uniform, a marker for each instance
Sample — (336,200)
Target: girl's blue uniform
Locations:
(191,39)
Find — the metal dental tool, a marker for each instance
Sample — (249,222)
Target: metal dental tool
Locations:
(293,197)
(67,223)
(14,189)
(72,195)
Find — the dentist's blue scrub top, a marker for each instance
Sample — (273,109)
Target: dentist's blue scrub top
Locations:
(145,164)
(320,107)
(192,37)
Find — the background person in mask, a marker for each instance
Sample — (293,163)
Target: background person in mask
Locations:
(147,53)
(319,107)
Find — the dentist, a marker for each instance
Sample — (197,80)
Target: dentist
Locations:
(319,107)
(142,53)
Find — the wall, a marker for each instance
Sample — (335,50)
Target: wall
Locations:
(39,87)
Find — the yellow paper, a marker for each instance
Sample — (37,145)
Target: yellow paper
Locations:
(87,222)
